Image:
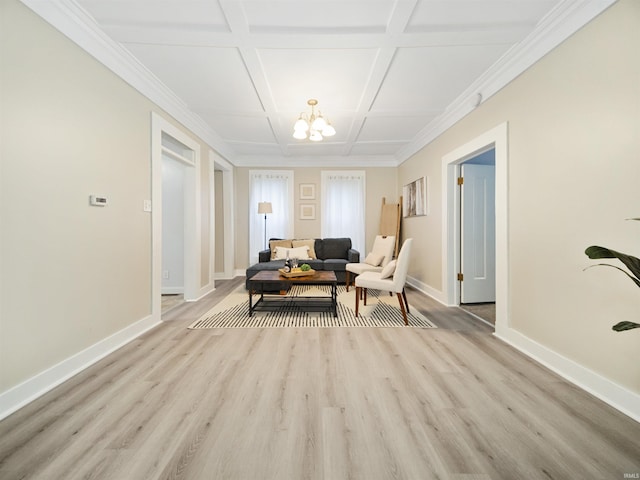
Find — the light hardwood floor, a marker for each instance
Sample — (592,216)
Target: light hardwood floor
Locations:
(362,403)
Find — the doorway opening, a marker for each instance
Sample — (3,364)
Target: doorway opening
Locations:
(173,231)
(170,146)
(496,140)
(224,217)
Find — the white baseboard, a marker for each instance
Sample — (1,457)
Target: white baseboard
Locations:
(172,290)
(204,291)
(20,395)
(427,290)
(618,397)
(222,276)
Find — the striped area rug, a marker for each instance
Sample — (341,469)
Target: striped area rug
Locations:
(381,310)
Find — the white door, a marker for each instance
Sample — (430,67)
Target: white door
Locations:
(478,229)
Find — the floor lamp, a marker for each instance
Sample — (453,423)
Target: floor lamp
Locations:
(265,207)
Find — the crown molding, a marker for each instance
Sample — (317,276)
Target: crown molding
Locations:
(558,25)
(76,24)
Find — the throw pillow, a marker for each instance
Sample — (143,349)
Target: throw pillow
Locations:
(301,253)
(278,243)
(281,253)
(388,270)
(374,259)
(311,243)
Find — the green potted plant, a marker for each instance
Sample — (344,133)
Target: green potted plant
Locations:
(632,263)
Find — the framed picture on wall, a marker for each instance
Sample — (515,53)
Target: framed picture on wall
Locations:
(307,191)
(307,211)
(414,198)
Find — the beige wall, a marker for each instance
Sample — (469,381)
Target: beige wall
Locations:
(380,182)
(574,171)
(72,275)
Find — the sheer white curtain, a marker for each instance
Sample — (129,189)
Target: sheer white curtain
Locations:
(275,186)
(343,201)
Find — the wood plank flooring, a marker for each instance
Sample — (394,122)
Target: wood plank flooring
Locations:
(364,403)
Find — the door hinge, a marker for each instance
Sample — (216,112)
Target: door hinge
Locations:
(460,277)
(460,180)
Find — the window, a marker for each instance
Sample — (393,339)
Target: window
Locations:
(276,187)
(343,200)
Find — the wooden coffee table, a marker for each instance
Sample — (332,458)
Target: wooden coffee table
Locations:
(271,302)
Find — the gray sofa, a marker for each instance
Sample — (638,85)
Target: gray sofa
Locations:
(331,254)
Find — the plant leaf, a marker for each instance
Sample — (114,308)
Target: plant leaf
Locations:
(622,326)
(632,263)
(635,280)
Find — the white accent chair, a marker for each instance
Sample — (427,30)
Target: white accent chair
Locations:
(382,246)
(394,283)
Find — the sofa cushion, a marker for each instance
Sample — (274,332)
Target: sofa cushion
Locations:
(278,243)
(335,264)
(333,248)
(311,243)
(315,264)
(257,267)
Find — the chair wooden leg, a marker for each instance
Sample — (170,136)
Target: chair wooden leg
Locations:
(406,304)
(364,295)
(347,279)
(404,311)
(357,299)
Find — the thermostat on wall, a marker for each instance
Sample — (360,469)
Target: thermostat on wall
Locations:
(98,201)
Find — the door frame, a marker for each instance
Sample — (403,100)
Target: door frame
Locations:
(219,163)
(496,138)
(193,227)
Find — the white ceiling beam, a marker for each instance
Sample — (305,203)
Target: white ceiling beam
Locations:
(397,23)
(454,36)
(238,24)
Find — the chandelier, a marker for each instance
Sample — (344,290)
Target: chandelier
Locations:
(317,126)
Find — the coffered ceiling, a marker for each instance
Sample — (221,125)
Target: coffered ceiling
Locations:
(386,73)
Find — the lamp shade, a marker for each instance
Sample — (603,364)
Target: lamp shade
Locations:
(315,136)
(318,123)
(264,207)
(301,124)
(299,134)
(328,131)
